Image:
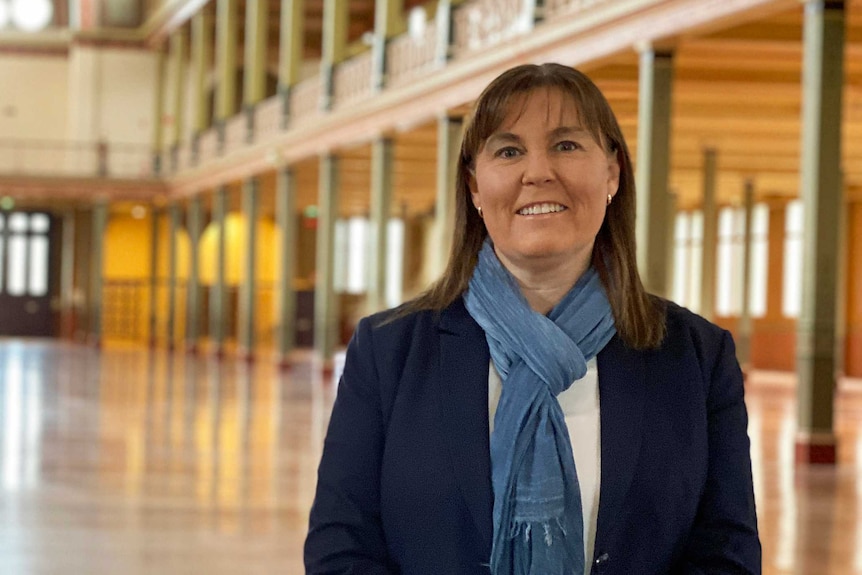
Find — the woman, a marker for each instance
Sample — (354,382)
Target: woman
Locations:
(536,412)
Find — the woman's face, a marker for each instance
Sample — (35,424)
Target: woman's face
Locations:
(543,183)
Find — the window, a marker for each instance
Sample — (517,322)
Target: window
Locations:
(791,301)
(759,260)
(730,261)
(24,254)
(688,254)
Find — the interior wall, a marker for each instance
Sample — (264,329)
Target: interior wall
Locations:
(32,100)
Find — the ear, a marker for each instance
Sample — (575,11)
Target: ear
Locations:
(474,192)
(613,173)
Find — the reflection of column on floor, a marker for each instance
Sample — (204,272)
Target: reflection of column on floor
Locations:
(67,275)
(821,189)
(654,232)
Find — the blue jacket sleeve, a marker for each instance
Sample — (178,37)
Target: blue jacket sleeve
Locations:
(724,539)
(345,534)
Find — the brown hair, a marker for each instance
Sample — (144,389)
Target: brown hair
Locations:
(639,317)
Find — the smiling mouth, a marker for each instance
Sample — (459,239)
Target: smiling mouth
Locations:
(537,209)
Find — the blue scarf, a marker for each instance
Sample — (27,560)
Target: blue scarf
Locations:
(538,519)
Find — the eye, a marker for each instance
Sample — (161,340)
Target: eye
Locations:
(567,146)
(507,152)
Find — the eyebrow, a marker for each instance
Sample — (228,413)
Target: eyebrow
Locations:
(508,137)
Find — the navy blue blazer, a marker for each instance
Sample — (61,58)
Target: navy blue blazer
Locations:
(404,484)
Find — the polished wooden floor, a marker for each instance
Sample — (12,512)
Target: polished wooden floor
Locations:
(130,461)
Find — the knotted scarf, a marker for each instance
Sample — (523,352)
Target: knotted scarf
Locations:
(538,518)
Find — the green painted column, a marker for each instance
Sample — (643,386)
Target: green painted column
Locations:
(448,148)
(201,56)
(226,56)
(217,293)
(388,22)
(173,232)
(382,168)
(179,67)
(159,112)
(654,231)
(325,302)
(710,235)
(248,288)
(743,343)
(285,209)
(290,51)
(194,218)
(336,16)
(99,224)
(822,190)
(154,276)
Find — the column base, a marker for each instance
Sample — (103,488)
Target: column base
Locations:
(816,448)
(284,363)
(192,349)
(245,355)
(218,352)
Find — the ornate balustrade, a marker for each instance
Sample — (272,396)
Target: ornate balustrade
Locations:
(566,7)
(184,157)
(305,100)
(409,57)
(208,146)
(235,133)
(267,118)
(353,79)
(75,159)
(482,23)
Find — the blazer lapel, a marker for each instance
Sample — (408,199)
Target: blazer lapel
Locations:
(463,395)
(622,393)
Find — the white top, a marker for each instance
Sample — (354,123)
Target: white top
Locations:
(580,405)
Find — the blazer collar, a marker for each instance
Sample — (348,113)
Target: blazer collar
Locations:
(463,403)
(463,396)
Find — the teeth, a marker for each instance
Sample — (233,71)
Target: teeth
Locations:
(537,209)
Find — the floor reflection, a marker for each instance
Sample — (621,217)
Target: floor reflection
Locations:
(131,461)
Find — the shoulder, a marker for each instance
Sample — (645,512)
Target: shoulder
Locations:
(687,332)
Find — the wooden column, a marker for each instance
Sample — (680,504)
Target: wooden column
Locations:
(285,208)
(290,51)
(248,288)
(336,15)
(710,236)
(325,304)
(821,189)
(194,218)
(217,296)
(448,148)
(654,232)
(226,54)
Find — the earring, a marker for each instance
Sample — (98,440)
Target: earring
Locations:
(479,209)
(610,199)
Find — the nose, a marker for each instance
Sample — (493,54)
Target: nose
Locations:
(538,169)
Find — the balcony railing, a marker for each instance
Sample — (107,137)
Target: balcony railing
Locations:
(236,133)
(409,57)
(483,23)
(267,118)
(567,7)
(353,79)
(75,159)
(208,146)
(305,100)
